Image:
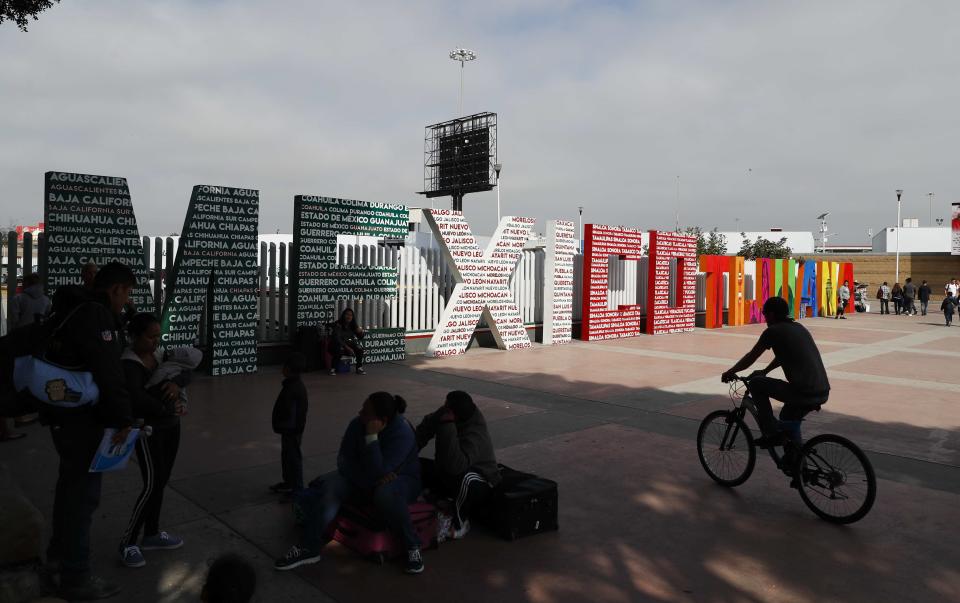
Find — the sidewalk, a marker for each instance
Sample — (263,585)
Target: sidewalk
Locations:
(614,423)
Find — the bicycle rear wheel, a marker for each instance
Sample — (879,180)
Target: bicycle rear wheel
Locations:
(725,447)
(836,479)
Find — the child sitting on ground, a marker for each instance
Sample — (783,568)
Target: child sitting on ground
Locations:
(230,580)
(949,303)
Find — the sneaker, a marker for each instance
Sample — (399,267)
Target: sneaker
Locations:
(161,541)
(91,588)
(296,557)
(333,372)
(360,371)
(281,488)
(462,531)
(414,562)
(130,556)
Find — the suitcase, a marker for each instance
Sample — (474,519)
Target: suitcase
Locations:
(360,530)
(523,504)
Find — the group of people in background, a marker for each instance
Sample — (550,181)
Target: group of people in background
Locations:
(904,298)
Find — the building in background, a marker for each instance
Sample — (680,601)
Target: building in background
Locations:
(913,239)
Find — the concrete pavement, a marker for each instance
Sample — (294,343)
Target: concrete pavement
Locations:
(614,423)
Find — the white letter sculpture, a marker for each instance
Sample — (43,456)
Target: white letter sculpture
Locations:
(558,301)
(482,283)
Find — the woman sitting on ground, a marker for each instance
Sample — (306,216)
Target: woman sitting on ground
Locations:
(377,464)
(345,336)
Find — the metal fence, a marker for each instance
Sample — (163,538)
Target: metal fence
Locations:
(425,283)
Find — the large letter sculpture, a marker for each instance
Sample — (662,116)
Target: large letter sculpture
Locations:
(661,318)
(482,283)
(809,290)
(90,219)
(714,266)
(318,281)
(846,274)
(558,300)
(598,321)
(217,264)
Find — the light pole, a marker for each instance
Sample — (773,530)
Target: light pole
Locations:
(930,197)
(581,227)
(497,167)
(896,278)
(678,206)
(823,231)
(463,55)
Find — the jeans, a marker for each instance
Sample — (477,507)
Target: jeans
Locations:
(884,306)
(337,353)
(897,305)
(795,404)
(156,455)
(76,498)
(321,504)
(923,307)
(908,307)
(291,460)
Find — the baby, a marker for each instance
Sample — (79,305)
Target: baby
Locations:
(177,367)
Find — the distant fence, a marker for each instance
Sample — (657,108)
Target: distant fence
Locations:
(425,283)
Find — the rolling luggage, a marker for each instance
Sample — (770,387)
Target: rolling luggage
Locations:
(523,504)
(360,530)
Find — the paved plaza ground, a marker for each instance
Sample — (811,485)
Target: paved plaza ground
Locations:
(615,424)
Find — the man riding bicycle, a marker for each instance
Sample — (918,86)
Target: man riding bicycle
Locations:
(806,387)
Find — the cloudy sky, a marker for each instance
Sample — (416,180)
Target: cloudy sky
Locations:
(769,112)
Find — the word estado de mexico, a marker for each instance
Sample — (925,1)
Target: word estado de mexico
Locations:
(91,218)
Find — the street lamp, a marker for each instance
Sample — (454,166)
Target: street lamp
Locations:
(581,227)
(930,197)
(823,231)
(496,168)
(897,277)
(463,55)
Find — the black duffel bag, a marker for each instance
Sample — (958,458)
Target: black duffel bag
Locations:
(523,504)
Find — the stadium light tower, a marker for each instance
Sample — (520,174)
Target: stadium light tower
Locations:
(823,231)
(463,55)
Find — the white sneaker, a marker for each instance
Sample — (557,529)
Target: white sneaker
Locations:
(460,532)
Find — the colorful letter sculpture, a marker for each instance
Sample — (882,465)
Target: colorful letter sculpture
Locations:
(661,317)
(598,321)
(318,280)
(90,219)
(217,255)
(482,283)
(558,299)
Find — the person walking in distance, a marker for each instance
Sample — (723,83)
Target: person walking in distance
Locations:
(952,287)
(923,294)
(896,296)
(909,297)
(949,303)
(88,338)
(843,298)
(883,294)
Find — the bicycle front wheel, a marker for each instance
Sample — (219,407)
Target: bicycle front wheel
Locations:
(726,449)
(836,479)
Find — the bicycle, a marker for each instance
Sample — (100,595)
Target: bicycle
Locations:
(834,477)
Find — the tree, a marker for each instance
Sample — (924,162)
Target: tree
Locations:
(710,243)
(762,248)
(20,11)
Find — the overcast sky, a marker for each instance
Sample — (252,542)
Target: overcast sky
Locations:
(770,112)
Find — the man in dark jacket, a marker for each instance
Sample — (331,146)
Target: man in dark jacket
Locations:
(289,420)
(465,468)
(923,294)
(85,338)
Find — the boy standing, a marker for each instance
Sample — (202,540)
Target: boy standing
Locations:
(289,420)
(949,303)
